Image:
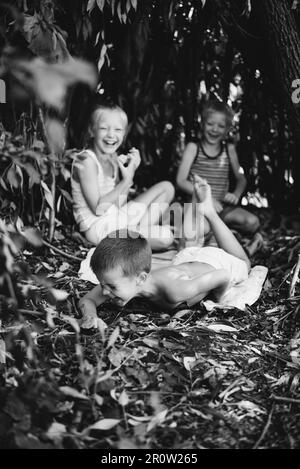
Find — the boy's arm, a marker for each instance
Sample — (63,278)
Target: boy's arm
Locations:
(88,306)
(194,290)
(241,181)
(188,157)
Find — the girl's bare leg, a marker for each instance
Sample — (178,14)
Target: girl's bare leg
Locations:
(157,199)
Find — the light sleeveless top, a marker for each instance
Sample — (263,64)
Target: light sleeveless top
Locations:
(215,169)
(83,215)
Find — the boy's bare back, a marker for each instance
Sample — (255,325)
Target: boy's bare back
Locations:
(173,281)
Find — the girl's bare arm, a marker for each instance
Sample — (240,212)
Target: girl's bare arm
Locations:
(184,168)
(87,174)
(241,181)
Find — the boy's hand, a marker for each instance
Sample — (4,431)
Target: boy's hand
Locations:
(231,199)
(135,156)
(89,323)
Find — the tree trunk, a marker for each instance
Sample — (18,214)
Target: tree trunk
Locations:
(284,47)
(283,44)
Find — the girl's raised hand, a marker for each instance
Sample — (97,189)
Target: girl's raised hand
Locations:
(128,171)
(135,156)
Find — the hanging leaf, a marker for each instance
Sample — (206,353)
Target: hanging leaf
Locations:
(33,236)
(2,352)
(119,12)
(99,400)
(12,178)
(91,5)
(113,6)
(34,176)
(101,4)
(295,5)
(2,183)
(49,81)
(102,57)
(48,195)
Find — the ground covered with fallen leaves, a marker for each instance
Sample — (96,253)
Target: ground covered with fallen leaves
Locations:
(150,379)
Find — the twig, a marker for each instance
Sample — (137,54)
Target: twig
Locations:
(279,357)
(264,432)
(10,288)
(62,253)
(295,278)
(31,313)
(284,317)
(169,393)
(53,193)
(285,399)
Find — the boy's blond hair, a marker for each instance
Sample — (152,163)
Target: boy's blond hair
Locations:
(217,106)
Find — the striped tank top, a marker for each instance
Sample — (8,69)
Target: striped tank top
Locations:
(83,215)
(215,169)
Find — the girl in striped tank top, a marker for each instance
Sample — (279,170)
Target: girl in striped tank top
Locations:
(101,181)
(212,159)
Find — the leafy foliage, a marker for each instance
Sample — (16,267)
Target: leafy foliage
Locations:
(25,181)
(154,380)
(146,379)
(171,56)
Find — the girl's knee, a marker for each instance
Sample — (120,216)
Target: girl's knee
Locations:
(168,189)
(252,223)
(166,242)
(160,237)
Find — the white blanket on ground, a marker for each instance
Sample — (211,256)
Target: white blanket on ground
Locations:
(244,293)
(238,296)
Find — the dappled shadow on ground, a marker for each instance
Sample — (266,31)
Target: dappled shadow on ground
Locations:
(149,379)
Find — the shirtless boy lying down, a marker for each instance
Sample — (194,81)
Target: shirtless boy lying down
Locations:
(122,264)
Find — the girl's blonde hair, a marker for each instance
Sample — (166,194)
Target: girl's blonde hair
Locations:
(217,106)
(100,110)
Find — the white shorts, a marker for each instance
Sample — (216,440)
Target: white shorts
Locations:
(116,218)
(128,216)
(217,258)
